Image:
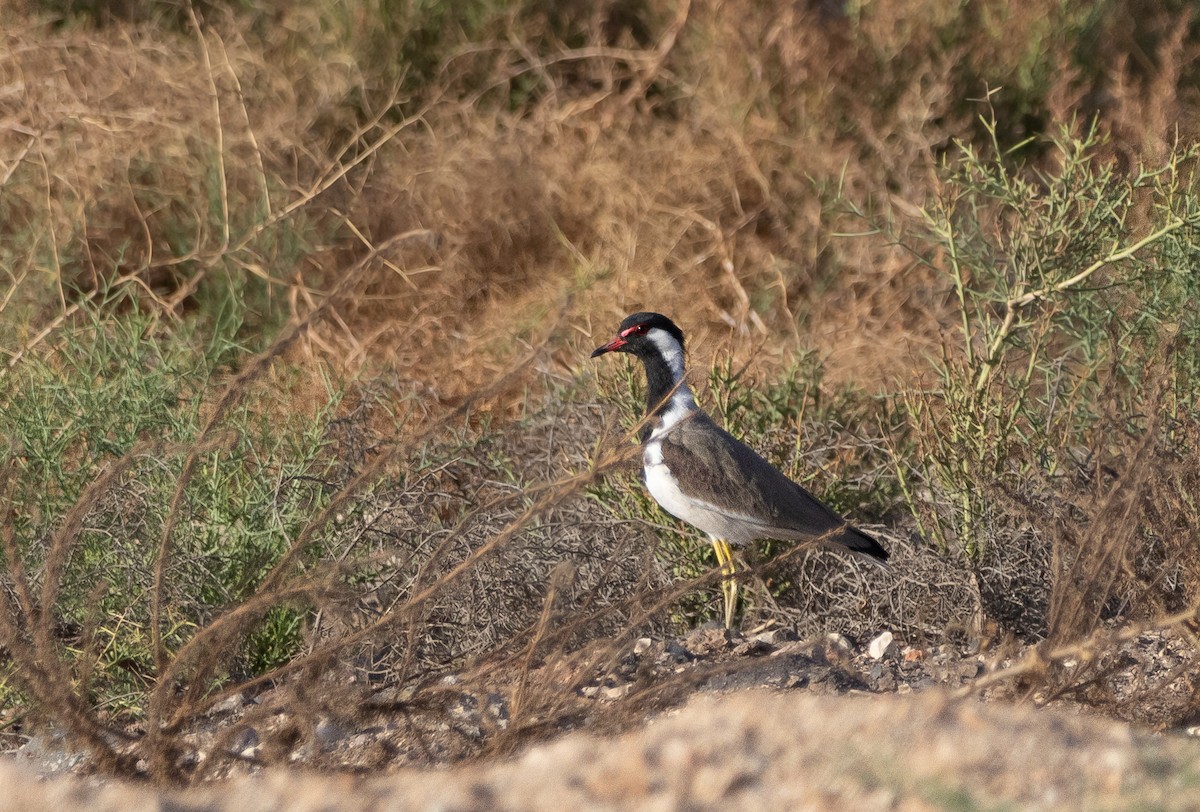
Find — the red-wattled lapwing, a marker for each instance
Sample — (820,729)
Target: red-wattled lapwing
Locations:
(700,473)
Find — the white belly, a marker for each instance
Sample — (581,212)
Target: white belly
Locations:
(665,489)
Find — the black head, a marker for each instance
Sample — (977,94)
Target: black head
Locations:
(632,334)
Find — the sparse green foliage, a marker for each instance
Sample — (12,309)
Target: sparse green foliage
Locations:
(1069,285)
(114,383)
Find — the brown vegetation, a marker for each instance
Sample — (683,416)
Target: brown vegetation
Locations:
(908,238)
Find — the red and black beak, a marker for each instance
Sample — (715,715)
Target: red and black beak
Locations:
(616,344)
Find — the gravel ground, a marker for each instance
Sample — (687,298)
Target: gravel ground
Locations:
(754,749)
(710,719)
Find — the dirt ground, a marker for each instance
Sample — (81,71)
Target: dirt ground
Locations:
(755,749)
(765,721)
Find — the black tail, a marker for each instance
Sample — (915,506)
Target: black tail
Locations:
(859,542)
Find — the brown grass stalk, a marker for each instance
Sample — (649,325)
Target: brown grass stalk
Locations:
(1037,659)
(208,648)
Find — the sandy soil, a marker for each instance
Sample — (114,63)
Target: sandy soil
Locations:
(747,750)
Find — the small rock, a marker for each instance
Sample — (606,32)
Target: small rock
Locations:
(617,691)
(703,642)
(358,741)
(970,669)
(840,642)
(774,637)
(228,705)
(752,648)
(642,646)
(678,653)
(912,655)
(497,706)
(245,742)
(838,649)
(796,648)
(328,733)
(879,646)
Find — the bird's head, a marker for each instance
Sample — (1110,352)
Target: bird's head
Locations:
(645,334)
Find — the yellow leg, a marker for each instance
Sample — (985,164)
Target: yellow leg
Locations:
(728,585)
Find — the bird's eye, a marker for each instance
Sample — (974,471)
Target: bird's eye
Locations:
(641,329)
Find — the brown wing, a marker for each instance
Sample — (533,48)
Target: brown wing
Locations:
(730,476)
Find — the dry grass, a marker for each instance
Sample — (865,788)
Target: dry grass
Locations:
(453,229)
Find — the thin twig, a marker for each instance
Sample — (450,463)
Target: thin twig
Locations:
(233,393)
(1036,660)
(1015,304)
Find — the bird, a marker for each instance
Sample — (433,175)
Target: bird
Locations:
(700,473)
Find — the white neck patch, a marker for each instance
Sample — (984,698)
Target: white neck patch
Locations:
(671,350)
(681,403)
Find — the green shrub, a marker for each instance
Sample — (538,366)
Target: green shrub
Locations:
(118,387)
(1069,284)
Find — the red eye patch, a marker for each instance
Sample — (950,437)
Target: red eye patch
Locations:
(635,330)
